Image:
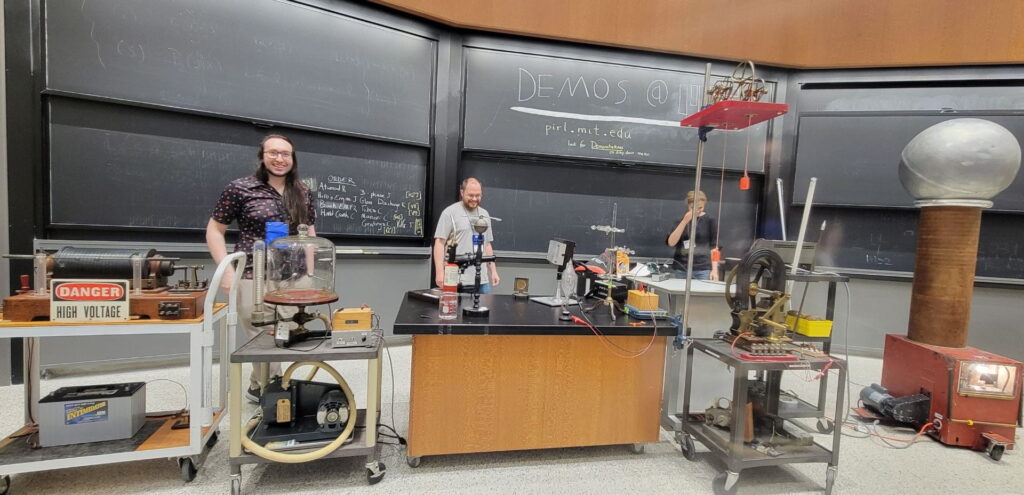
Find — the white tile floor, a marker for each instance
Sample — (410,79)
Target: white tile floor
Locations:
(866,465)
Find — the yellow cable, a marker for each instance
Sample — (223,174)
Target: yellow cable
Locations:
(353,416)
(972,422)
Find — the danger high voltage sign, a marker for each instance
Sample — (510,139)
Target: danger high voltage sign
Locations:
(89,300)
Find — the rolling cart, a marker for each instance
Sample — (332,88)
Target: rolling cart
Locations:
(364,441)
(733,444)
(158,438)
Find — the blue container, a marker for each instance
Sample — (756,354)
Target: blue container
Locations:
(275,230)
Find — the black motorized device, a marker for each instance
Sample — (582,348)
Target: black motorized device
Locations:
(306,411)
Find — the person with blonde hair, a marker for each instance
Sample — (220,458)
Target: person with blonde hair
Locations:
(706,239)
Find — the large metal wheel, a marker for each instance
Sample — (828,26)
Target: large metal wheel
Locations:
(687,447)
(725,483)
(188,469)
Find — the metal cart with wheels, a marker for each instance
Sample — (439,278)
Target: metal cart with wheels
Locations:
(729,445)
(159,438)
(364,439)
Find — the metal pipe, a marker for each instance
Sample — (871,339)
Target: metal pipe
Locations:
(782,209)
(39,271)
(803,225)
(693,219)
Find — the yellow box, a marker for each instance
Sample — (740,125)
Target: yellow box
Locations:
(644,301)
(352,319)
(810,325)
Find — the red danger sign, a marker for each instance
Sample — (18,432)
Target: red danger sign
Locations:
(88,291)
(89,300)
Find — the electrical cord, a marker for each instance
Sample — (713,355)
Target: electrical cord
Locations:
(630,353)
(391,368)
(184,392)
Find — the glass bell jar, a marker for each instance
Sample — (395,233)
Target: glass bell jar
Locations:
(300,270)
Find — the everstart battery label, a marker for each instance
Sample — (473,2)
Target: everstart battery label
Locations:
(89,300)
(93,411)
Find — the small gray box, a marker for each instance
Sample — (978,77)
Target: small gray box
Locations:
(92,413)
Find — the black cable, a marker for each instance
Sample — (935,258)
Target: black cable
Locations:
(396,435)
(311,349)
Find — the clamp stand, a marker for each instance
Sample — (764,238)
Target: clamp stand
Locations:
(478,252)
(284,337)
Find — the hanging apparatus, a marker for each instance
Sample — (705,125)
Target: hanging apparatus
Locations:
(731,104)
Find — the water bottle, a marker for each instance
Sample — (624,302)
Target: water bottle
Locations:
(448,305)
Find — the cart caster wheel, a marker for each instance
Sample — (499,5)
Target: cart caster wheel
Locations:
(236,486)
(637,448)
(996,452)
(826,426)
(689,450)
(5,484)
(830,478)
(413,462)
(212,440)
(725,483)
(374,477)
(188,469)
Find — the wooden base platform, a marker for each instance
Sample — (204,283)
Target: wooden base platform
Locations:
(162,304)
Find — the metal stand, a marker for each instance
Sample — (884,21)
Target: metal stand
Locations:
(261,350)
(728,444)
(478,252)
(157,439)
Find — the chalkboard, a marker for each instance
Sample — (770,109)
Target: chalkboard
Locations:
(264,60)
(547,105)
(886,240)
(539,200)
(856,157)
(135,168)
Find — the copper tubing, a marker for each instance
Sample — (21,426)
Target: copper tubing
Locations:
(947,251)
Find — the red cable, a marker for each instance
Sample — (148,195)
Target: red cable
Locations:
(604,339)
(732,348)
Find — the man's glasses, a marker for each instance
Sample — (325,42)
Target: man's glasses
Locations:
(278,154)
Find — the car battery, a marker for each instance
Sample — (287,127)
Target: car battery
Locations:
(91,413)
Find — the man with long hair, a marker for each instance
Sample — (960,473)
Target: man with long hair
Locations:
(274,193)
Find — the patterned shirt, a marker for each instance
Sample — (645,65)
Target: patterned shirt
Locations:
(253,203)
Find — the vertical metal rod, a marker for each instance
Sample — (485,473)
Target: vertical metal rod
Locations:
(800,237)
(693,219)
(39,272)
(782,209)
(615,216)
(803,224)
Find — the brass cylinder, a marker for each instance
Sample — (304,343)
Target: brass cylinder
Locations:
(947,251)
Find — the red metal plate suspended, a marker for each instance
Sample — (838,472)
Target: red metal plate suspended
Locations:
(731,115)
